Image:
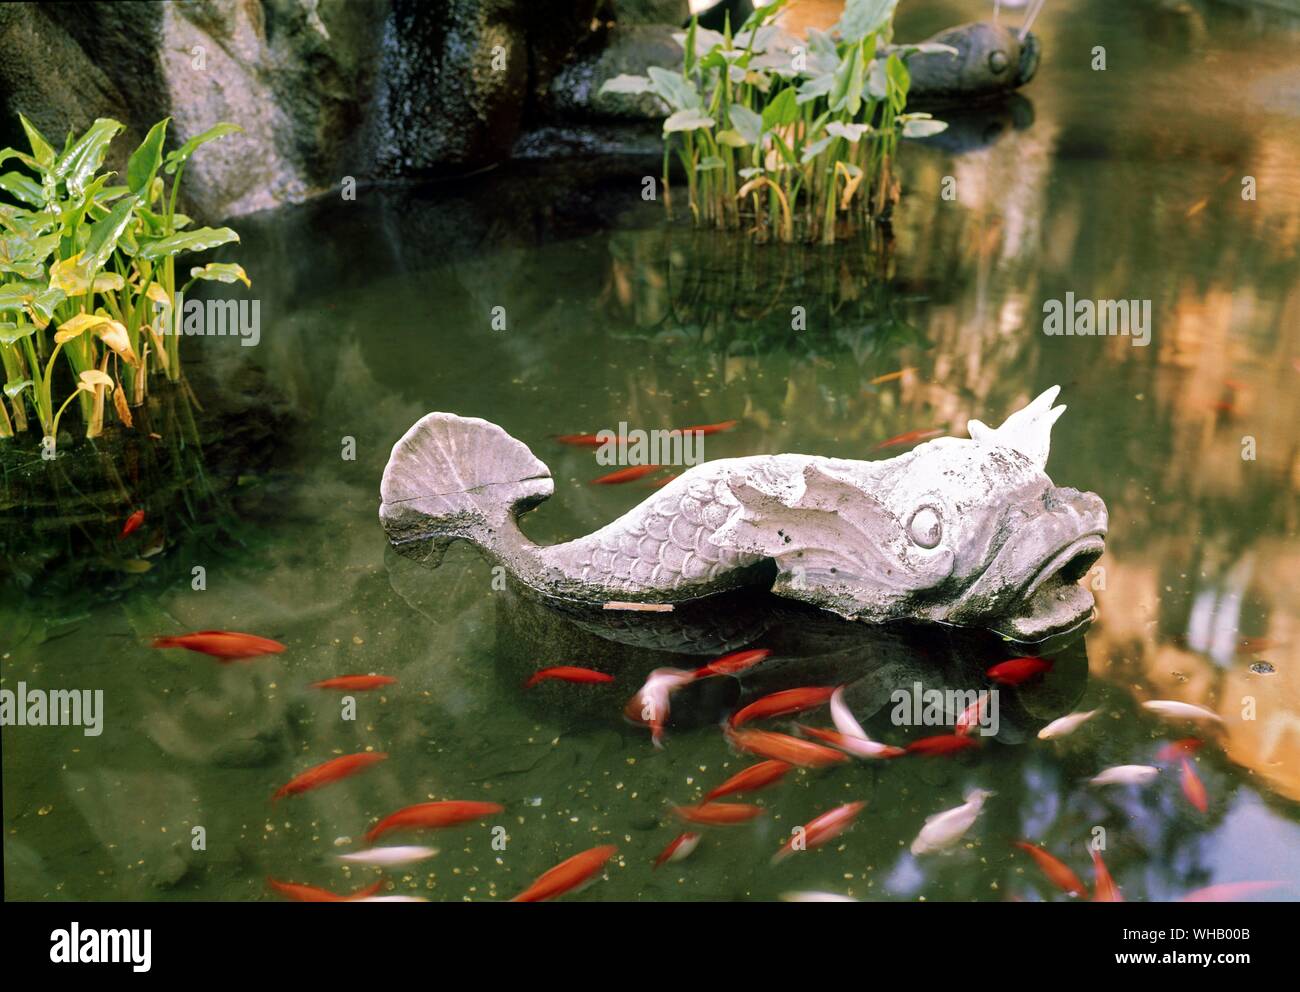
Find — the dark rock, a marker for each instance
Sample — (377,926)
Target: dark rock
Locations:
(649,11)
(576,96)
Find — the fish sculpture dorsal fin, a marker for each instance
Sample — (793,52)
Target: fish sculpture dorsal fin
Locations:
(1028,430)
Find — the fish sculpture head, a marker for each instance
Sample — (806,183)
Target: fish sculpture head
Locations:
(962,531)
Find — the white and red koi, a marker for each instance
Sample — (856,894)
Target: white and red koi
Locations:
(679,849)
(388,857)
(1125,775)
(652,702)
(1065,725)
(1194,788)
(1176,710)
(859,747)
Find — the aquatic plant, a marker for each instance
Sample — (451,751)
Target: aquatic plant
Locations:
(88,271)
(787,134)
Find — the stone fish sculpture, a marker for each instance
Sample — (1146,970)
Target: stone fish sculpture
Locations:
(960,531)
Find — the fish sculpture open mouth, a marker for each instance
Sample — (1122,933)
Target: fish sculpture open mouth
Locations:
(961,531)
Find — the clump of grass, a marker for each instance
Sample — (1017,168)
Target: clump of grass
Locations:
(784,134)
(88,272)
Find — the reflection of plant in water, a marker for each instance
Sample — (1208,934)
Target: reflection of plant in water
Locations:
(90,262)
(804,131)
(695,292)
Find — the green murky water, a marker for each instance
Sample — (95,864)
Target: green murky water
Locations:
(1123,184)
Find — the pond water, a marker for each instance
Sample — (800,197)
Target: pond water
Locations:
(1117,184)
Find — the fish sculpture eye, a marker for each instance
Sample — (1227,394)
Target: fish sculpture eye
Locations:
(998,62)
(926,529)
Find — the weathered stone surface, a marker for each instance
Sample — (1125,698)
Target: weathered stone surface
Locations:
(964,531)
(650,11)
(576,94)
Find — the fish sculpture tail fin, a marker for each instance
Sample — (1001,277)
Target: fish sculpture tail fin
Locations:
(458,478)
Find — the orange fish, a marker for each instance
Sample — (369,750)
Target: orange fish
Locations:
(942,744)
(732,664)
(330,771)
(568,673)
(626,475)
(783,704)
(132,523)
(718,814)
(783,747)
(1177,749)
(354,683)
(433,816)
(821,829)
(911,437)
(890,376)
(752,779)
(1018,670)
(1104,888)
(678,849)
(582,440)
(1229,891)
(568,874)
(224,645)
(717,428)
(1057,872)
(1194,788)
(310,893)
(859,747)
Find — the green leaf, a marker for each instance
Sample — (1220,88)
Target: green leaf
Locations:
(105,233)
(813,88)
(709,163)
(182,154)
(146,159)
(782,111)
(677,92)
(691,119)
(810,152)
(197,240)
(731,138)
(864,17)
(748,124)
(627,84)
(230,272)
(11,333)
(12,389)
(23,187)
(849,132)
(922,127)
(846,93)
(41,149)
(85,155)
(900,81)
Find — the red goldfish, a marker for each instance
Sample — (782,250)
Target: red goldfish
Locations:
(433,816)
(890,376)
(732,664)
(752,779)
(821,829)
(679,848)
(567,673)
(310,893)
(1194,788)
(583,440)
(942,744)
(1229,891)
(859,747)
(1057,872)
(783,747)
(1177,749)
(1104,888)
(783,704)
(718,814)
(568,874)
(354,683)
(329,771)
(132,523)
(717,428)
(911,437)
(224,645)
(626,475)
(1018,670)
